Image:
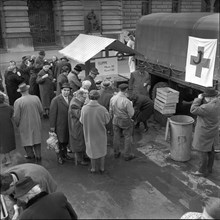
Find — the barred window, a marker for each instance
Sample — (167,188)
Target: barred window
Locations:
(146,7)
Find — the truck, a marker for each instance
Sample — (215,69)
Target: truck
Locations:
(162,39)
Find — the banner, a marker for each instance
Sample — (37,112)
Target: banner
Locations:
(107,66)
(200,61)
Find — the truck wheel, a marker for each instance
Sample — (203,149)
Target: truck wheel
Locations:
(158,85)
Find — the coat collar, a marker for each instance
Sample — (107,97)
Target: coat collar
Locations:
(36,198)
(93,103)
(63,100)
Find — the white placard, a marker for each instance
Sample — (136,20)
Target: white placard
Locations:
(201,61)
(107,66)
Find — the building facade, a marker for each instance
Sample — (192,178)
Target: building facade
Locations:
(28,25)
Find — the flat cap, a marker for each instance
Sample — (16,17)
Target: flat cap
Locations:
(123,86)
(94,71)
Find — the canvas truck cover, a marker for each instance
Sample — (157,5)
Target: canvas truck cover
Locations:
(163,37)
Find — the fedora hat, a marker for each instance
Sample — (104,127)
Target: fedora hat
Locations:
(94,71)
(23,87)
(78,68)
(64,58)
(23,186)
(65,85)
(210,92)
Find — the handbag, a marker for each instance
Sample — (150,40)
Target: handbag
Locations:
(52,142)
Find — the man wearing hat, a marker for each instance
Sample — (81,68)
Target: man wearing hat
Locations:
(139,82)
(62,78)
(59,121)
(39,61)
(27,117)
(121,110)
(73,78)
(46,86)
(64,61)
(91,77)
(40,204)
(206,137)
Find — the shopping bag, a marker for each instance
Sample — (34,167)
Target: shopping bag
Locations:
(52,142)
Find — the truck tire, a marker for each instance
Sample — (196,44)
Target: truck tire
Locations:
(158,85)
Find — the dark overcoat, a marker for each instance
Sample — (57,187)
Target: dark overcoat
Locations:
(77,141)
(46,87)
(59,118)
(7,135)
(206,131)
(48,206)
(144,108)
(12,81)
(93,85)
(37,172)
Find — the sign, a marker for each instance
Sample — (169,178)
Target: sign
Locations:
(107,66)
(200,61)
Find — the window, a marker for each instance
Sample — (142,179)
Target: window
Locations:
(175,6)
(146,7)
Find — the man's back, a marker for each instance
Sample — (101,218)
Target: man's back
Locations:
(49,206)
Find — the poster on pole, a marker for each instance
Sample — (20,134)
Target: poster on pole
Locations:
(201,61)
(107,66)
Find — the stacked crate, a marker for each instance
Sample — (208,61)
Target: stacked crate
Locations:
(166,100)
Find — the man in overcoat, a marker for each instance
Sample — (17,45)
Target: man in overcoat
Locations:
(27,116)
(206,136)
(94,118)
(46,85)
(62,78)
(40,204)
(59,121)
(77,141)
(73,78)
(139,82)
(91,77)
(39,61)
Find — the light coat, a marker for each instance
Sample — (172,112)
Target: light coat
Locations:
(94,118)
(37,172)
(27,116)
(59,118)
(206,130)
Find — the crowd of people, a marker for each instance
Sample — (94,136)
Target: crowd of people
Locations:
(82,115)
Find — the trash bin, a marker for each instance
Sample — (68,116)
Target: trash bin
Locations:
(180,127)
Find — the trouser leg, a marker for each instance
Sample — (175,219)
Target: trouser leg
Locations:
(93,162)
(128,141)
(211,158)
(116,138)
(37,150)
(102,163)
(203,162)
(29,151)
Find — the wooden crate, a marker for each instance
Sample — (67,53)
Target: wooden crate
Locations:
(164,108)
(167,95)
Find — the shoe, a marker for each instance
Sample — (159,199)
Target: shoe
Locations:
(131,157)
(92,171)
(60,160)
(38,159)
(83,163)
(197,173)
(67,157)
(117,155)
(29,157)
(101,171)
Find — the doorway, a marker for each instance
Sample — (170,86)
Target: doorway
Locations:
(41,21)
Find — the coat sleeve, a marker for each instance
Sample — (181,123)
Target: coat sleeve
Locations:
(198,108)
(107,116)
(75,111)
(17,113)
(39,79)
(40,107)
(53,113)
(71,211)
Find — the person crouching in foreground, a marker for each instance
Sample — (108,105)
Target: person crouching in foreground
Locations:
(93,115)
(40,204)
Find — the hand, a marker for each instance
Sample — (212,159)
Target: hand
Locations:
(200,96)
(18,73)
(52,129)
(145,84)
(45,76)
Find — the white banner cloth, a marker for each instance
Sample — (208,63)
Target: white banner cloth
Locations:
(200,61)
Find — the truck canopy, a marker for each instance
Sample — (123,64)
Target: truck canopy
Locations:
(163,37)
